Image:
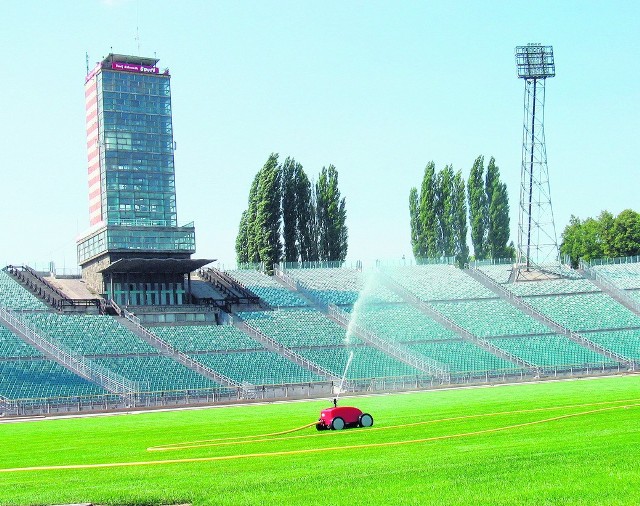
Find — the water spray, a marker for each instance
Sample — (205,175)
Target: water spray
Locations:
(344,376)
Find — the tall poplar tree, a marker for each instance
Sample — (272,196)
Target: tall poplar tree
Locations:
(307,231)
(331,217)
(498,223)
(444,211)
(459,212)
(428,216)
(419,250)
(478,209)
(268,216)
(253,252)
(289,210)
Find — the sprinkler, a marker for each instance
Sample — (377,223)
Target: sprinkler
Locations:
(342,417)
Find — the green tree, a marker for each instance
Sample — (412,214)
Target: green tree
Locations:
(331,217)
(444,211)
(268,217)
(459,212)
(626,234)
(307,230)
(419,250)
(289,210)
(428,216)
(478,209)
(498,223)
(253,251)
(242,251)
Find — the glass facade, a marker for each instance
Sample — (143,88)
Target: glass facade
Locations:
(115,238)
(136,148)
(132,191)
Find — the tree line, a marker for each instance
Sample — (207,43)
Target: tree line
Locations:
(438,214)
(290,219)
(603,237)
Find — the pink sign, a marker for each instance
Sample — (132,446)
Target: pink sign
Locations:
(130,67)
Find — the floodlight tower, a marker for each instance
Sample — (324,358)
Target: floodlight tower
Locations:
(537,240)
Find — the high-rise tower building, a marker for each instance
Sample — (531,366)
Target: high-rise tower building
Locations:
(134,251)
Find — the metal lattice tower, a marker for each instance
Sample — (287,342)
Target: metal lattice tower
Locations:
(537,240)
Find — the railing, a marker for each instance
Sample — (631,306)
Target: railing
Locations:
(394,350)
(608,286)
(279,348)
(609,261)
(166,349)
(454,327)
(549,322)
(46,291)
(79,365)
(286,278)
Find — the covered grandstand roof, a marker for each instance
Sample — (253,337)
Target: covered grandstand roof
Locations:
(156,265)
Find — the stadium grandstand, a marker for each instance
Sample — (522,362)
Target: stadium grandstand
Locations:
(417,326)
(146,325)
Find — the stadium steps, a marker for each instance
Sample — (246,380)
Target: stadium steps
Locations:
(48,293)
(273,345)
(293,285)
(608,287)
(429,366)
(107,379)
(235,293)
(165,349)
(449,324)
(526,308)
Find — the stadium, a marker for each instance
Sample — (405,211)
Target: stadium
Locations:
(226,370)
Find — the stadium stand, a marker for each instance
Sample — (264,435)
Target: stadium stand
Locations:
(267,288)
(491,317)
(298,327)
(40,378)
(14,296)
(589,311)
(89,334)
(341,286)
(550,350)
(259,367)
(438,282)
(400,323)
(462,356)
(625,342)
(197,338)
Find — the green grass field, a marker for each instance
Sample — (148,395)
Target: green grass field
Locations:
(468,446)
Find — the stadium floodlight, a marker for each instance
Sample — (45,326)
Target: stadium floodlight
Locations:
(535,61)
(537,240)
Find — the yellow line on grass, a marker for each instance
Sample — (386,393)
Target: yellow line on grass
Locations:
(314,450)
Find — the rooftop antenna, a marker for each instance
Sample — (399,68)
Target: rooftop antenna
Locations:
(137,37)
(86,55)
(537,240)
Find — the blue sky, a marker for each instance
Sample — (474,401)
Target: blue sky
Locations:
(376,88)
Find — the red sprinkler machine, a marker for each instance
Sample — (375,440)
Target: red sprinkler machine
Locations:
(342,417)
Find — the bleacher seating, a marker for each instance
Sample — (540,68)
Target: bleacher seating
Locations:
(589,311)
(34,379)
(267,288)
(551,287)
(500,273)
(11,346)
(89,334)
(341,286)
(624,276)
(491,317)
(298,327)
(259,367)
(14,296)
(196,338)
(462,356)
(156,373)
(625,342)
(400,323)
(367,362)
(439,282)
(550,350)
